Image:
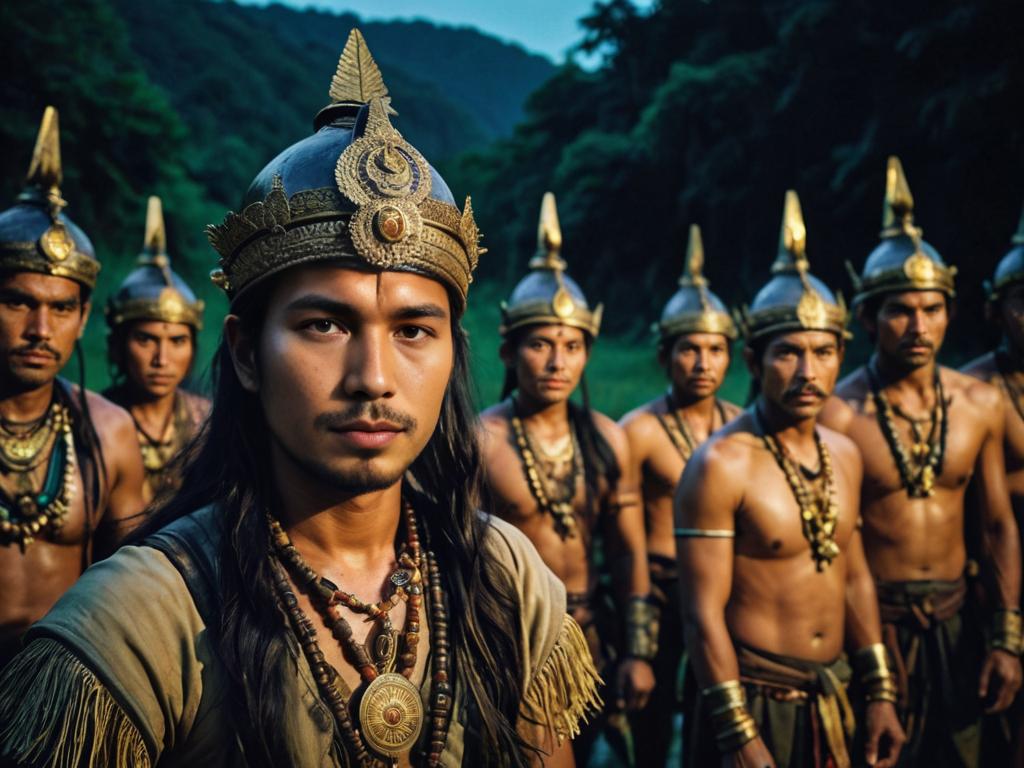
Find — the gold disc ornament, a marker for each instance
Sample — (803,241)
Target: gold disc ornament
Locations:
(391,715)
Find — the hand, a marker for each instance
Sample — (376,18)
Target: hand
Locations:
(753,754)
(634,681)
(1000,680)
(885,736)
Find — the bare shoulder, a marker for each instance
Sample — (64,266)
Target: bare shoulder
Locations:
(640,423)
(983,367)
(610,431)
(731,410)
(843,448)
(112,422)
(493,426)
(979,394)
(729,449)
(853,388)
(198,405)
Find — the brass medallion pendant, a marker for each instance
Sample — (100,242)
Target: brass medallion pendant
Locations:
(559,506)
(818,508)
(391,714)
(30,513)
(919,467)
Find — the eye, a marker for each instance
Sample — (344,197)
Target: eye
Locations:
(322,326)
(413,332)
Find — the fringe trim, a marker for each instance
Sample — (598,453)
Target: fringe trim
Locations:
(564,690)
(55,712)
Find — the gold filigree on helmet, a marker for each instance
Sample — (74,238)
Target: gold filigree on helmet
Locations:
(153,291)
(379,204)
(694,308)
(35,236)
(547,295)
(794,299)
(1010,269)
(903,261)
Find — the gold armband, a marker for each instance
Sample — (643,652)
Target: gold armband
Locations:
(726,706)
(704,533)
(1006,631)
(872,666)
(642,620)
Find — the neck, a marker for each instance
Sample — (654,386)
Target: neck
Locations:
(19,404)
(783,424)
(551,418)
(152,410)
(894,374)
(698,407)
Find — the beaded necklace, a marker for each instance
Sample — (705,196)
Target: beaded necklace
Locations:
(560,508)
(158,451)
(682,437)
(1014,391)
(390,711)
(819,510)
(928,454)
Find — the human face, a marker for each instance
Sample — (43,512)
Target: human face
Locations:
(1011,314)
(909,327)
(157,356)
(798,372)
(549,362)
(41,318)
(696,365)
(351,369)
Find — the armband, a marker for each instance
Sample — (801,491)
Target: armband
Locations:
(1006,631)
(704,533)
(733,725)
(642,620)
(872,666)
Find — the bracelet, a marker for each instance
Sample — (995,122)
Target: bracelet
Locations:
(872,666)
(1007,631)
(642,621)
(732,723)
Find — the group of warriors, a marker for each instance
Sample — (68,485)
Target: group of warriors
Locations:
(300,573)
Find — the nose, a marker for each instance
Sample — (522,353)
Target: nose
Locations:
(368,367)
(701,363)
(917,323)
(556,360)
(38,328)
(160,354)
(805,368)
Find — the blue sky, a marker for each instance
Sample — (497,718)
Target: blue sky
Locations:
(545,26)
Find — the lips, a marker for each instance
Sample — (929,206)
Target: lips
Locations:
(368,434)
(35,357)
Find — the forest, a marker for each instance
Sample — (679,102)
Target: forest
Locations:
(698,111)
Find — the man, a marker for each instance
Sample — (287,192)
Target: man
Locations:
(561,473)
(693,349)
(1004,368)
(773,573)
(324,590)
(154,318)
(923,431)
(68,471)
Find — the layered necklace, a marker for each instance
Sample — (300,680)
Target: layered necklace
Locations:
(1013,390)
(922,464)
(158,451)
(23,449)
(678,429)
(553,496)
(819,510)
(391,712)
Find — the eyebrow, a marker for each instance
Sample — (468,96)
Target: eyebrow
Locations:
(331,306)
(13,294)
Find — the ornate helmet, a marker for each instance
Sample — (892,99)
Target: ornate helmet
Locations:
(794,299)
(694,308)
(34,235)
(1010,268)
(903,261)
(547,295)
(153,291)
(355,191)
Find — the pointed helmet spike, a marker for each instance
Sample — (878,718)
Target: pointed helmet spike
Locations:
(45,170)
(899,202)
(549,236)
(156,236)
(358,78)
(792,253)
(1018,239)
(693,270)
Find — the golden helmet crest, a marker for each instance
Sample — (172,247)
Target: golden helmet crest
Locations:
(794,299)
(547,295)
(694,308)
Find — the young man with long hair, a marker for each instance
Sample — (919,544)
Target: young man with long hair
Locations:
(154,319)
(70,476)
(774,580)
(560,472)
(324,589)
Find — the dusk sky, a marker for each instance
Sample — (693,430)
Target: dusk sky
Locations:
(545,26)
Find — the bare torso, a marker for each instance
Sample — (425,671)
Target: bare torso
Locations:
(912,539)
(661,465)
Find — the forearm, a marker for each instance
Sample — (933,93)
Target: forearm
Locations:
(862,624)
(1002,545)
(709,647)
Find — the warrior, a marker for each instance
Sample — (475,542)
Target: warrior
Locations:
(561,472)
(69,475)
(694,335)
(923,431)
(154,318)
(323,590)
(774,579)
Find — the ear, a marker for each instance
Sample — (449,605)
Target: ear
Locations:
(869,322)
(753,364)
(243,353)
(507,353)
(86,309)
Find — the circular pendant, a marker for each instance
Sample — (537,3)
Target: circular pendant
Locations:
(391,715)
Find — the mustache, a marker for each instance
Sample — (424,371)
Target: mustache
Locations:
(38,346)
(918,341)
(803,389)
(367,411)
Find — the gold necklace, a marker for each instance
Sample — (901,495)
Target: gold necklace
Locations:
(818,511)
(21,449)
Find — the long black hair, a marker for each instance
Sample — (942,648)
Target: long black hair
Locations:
(226,465)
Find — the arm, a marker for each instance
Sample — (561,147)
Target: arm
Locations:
(125,473)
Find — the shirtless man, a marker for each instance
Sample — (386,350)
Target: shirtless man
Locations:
(69,469)
(561,473)
(773,573)
(693,349)
(924,431)
(154,319)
